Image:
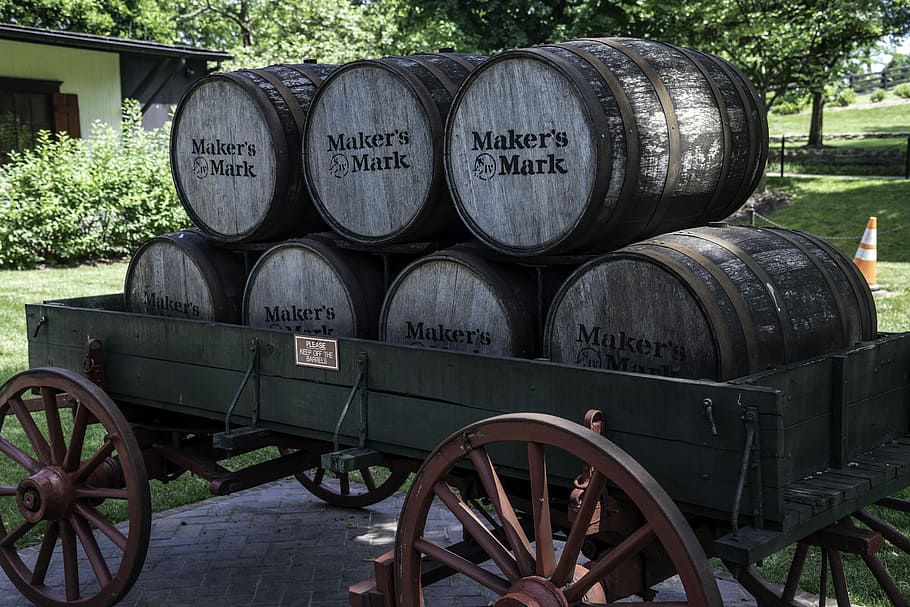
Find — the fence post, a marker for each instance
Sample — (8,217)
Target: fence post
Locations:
(907,160)
(782,139)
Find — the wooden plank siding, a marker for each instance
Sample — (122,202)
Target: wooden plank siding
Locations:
(92,75)
(418,397)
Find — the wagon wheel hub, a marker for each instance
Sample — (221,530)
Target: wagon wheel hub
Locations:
(533,592)
(46,495)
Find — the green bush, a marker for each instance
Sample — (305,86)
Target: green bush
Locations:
(877,95)
(784,108)
(843,98)
(903,90)
(72,200)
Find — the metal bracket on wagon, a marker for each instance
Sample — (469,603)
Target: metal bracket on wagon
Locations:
(243,438)
(348,460)
(93,362)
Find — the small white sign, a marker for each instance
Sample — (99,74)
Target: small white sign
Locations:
(316,352)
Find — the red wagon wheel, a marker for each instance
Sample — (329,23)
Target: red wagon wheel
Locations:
(372,484)
(541,568)
(861,541)
(61,481)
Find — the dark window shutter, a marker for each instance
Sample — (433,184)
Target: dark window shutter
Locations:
(66,113)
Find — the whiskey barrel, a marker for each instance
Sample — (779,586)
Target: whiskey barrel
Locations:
(235,144)
(710,303)
(457,300)
(182,275)
(585,146)
(312,287)
(372,149)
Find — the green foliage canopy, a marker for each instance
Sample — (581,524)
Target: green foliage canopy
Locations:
(73,200)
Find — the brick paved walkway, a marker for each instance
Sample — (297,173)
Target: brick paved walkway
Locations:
(278,546)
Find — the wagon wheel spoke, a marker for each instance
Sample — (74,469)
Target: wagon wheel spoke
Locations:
(54,427)
(506,581)
(42,563)
(368,480)
(796,571)
(511,526)
(103,525)
(540,511)
(378,482)
(35,438)
(476,573)
(70,561)
(92,550)
(884,580)
(16,534)
(58,492)
(17,455)
(474,527)
(832,561)
(91,464)
(77,439)
(102,493)
(627,549)
(838,578)
(576,537)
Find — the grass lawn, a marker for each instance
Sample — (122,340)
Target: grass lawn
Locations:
(20,287)
(851,119)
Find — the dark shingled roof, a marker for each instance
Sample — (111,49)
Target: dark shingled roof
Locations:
(105,43)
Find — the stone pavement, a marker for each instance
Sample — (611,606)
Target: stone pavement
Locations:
(278,546)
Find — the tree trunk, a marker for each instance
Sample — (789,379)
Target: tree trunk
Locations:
(815,127)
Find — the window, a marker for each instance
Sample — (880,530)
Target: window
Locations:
(28,106)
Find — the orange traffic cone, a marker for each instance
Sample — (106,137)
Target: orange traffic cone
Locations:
(866,256)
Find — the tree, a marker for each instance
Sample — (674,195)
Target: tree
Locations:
(781,45)
(137,19)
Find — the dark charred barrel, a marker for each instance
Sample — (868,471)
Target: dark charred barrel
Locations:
(710,303)
(457,300)
(589,145)
(182,275)
(235,145)
(372,150)
(312,287)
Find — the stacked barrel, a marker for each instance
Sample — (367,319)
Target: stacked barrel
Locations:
(560,198)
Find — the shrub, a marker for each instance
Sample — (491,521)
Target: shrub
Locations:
(877,95)
(844,97)
(73,200)
(784,108)
(903,90)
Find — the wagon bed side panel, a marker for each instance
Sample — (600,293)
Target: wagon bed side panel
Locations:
(417,398)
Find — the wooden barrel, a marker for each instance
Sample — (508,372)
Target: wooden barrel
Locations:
(710,303)
(235,144)
(588,145)
(372,149)
(312,287)
(182,275)
(457,300)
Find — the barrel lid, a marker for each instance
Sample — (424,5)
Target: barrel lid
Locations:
(451,300)
(302,286)
(169,275)
(370,150)
(225,155)
(523,151)
(597,320)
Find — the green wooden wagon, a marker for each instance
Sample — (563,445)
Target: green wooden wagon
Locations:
(574,486)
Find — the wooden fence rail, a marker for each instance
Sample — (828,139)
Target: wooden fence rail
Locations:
(884,79)
(847,136)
